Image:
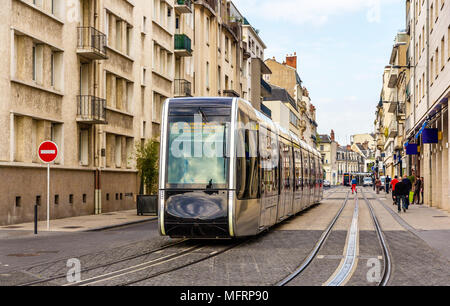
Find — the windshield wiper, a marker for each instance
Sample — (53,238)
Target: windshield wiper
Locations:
(203,115)
(210,185)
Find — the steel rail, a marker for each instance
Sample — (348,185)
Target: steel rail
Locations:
(211,255)
(316,248)
(128,258)
(387,269)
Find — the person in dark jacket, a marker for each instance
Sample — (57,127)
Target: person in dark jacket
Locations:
(417,188)
(400,193)
(407,189)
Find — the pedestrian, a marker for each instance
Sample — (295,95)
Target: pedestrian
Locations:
(421,188)
(373,182)
(408,187)
(401,191)
(354,185)
(378,185)
(387,183)
(417,188)
(394,182)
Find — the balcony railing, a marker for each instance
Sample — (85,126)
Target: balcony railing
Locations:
(265,110)
(393,129)
(91,110)
(211,3)
(182,88)
(183,45)
(183,6)
(91,43)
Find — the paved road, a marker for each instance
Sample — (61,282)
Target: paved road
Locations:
(263,260)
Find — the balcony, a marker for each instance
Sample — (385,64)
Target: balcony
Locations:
(91,110)
(393,129)
(246,54)
(182,45)
(183,6)
(230,93)
(392,107)
(265,110)
(182,88)
(266,90)
(393,77)
(91,43)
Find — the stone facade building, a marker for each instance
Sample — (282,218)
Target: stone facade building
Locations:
(92,75)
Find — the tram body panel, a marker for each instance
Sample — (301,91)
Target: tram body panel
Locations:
(251,187)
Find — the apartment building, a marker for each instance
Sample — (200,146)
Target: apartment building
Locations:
(419,81)
(348,161)
(92,76)
(328,149)
(83,74)
(428,23)
(285,75)
(279,106)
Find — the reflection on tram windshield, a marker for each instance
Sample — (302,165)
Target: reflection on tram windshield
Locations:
(197,151)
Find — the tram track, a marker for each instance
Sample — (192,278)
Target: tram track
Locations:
(344,272)
(387,266)
(104,265)
(312,255)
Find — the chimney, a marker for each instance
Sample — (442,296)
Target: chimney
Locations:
(349,147)
(292,60)
(332,135)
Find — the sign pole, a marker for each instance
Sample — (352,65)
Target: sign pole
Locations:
(48,151)
(48,197)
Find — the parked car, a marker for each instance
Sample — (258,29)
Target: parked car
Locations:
(367,181)
(326,183)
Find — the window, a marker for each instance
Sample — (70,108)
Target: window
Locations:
(144,24)
(207,29)
(247,165)
(431,17)
(431,69)
(437,62)
(118,36)
(83,147)
(70,198)
(207,75)
(56,199)
(118,152)
(52,69)
(442,52)
(18,201)
(34,63)
(436,7)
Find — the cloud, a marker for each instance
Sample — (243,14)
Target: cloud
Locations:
(314,12)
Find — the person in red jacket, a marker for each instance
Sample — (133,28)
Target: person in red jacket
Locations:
(393,183)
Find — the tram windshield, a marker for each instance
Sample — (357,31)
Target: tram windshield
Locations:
(198,153)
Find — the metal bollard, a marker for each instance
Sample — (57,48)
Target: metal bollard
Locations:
(35,219)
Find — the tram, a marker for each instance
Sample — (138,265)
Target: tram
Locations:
(226,170)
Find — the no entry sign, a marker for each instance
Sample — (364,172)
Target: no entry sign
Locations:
(48,151)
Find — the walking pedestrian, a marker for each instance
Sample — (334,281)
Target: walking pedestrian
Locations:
(387,183)
(373,182)
(401,191)
(378,185)
(417,188)
(408,187)
(354,185)
(394,182)
(421,188)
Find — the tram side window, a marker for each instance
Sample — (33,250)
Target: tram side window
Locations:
(268,165)
(247,168)
(298,169)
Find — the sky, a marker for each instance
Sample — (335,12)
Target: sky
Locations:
(342,47)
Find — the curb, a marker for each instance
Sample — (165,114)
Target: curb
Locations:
(102,228)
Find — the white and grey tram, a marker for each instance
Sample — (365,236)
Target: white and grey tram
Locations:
(227,170)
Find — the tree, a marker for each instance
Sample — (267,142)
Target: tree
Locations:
(147,158)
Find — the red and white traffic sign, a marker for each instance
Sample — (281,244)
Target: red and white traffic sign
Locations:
(48,151)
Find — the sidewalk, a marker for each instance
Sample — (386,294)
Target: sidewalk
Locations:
(429,223)
(80,224)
